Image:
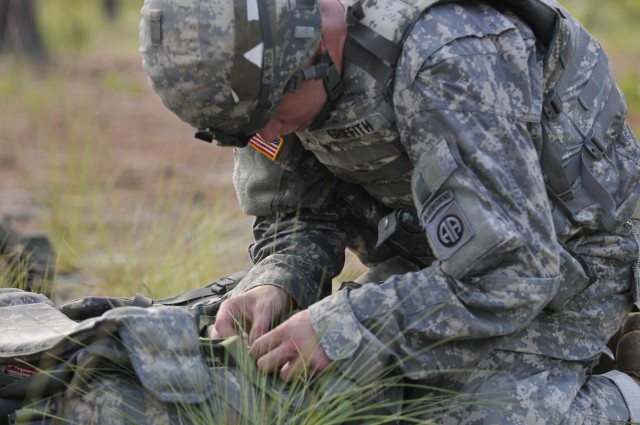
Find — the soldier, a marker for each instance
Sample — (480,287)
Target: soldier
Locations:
(494,129)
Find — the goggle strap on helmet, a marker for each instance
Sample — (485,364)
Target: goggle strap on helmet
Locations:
(248,60)
(260,114)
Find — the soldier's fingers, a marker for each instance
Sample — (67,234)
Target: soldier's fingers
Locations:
(223,329)
(225,324)
(308,366)
(292,369)
(277,356)
(262,345)
(213,333)
(259,326)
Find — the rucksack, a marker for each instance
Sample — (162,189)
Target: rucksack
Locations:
(127,351)
(48,361)
(139,361)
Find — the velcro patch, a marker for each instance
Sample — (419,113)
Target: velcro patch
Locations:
(447,225)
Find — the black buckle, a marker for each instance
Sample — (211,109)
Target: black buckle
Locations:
(322,69)
(222,139)
(205,135)
(401,220)
(552,105)
(594,144)
(317,71)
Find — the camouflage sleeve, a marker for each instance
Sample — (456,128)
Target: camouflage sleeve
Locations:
(467,99)
(299,245)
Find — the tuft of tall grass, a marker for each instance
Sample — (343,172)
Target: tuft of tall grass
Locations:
(104,383)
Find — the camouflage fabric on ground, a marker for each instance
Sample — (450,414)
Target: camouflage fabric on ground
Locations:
(135,365)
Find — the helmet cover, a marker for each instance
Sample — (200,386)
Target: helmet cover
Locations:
(224,64)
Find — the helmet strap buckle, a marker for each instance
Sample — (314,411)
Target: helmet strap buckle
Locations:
(322,69)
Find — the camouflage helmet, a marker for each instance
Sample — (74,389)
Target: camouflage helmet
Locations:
(222,66)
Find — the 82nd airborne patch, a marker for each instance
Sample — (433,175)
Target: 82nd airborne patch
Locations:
(447,225)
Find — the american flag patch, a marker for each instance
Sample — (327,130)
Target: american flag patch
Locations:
(268,149)
(19,370)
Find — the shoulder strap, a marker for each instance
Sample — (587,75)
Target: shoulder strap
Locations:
(595,143)
(379,55)
(368,49)
(218,287)
(541,17)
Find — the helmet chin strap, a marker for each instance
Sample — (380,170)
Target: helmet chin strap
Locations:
(322,69)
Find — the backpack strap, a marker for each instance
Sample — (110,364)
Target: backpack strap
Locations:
(216,288)
(596,144)
(379,56)
(368,49)
(541,18)
(40,412)
(205,301)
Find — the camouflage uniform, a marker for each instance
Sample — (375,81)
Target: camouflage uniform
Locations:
(460,146)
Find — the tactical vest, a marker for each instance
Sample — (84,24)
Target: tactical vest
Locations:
(583,111)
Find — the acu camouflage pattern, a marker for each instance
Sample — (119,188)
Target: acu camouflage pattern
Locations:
(468,98)
(133,365)
(157,348)
(190,67)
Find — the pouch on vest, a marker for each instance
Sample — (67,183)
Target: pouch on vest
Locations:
(584,125)
(387,232)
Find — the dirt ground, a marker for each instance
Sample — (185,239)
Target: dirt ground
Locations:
(108,112)
(145,141)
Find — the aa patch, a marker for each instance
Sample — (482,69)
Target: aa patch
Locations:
(268,149)
(447,225)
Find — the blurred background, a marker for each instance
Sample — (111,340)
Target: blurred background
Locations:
(128,199)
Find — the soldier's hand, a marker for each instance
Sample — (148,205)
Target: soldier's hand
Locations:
(292,347)
(252,312)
